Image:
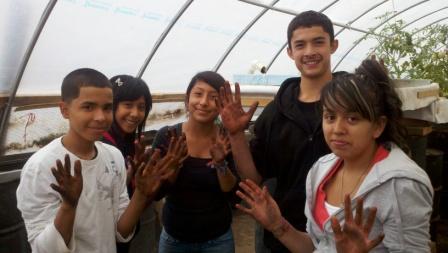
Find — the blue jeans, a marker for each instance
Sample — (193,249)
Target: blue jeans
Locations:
(221,244)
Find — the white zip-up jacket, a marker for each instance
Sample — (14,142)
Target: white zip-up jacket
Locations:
(399,189)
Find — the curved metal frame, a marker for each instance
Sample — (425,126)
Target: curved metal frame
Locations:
(6,111)
(430,24)
(424,16)
(376,27)
(240,36)
(163,36)
(360,16)
(350,22)
(294,13)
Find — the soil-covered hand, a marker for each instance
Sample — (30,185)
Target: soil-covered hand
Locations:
(220,147)
(233,117)
(70,187)
(261,206)
(354,236)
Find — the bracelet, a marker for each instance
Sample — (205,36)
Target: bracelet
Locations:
(282,229)
(220,167)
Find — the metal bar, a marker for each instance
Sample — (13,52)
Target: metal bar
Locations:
(360,16)
(163,36)
(435,22)
(294,13)
(240,36)
(328,6)
(424,16)
(376,27)
(284,45)
(6,112)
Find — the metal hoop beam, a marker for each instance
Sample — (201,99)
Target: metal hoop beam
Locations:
(373,29)
(240,36)
(432,23)
(424,16)
(294,13)
(163,36)
(7,110)
(360,16)
(284,45)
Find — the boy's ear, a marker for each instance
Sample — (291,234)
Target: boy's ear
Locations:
(289,51)
(63,107)
(334,45)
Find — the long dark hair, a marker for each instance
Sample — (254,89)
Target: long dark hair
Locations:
(370,93)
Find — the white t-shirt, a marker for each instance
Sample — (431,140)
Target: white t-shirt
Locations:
(103,200)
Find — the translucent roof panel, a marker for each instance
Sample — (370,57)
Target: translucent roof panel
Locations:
(196,42)
(167,42)
(111,36)
(258,45)
(18,19)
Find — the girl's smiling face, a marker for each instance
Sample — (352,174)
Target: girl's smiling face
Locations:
(130,114)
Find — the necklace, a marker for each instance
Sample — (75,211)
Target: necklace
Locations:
(356,185)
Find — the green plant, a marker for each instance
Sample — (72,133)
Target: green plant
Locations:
(415,54)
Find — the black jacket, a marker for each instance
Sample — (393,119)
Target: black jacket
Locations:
(286,144)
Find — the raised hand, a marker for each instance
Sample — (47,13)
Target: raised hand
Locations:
(141,155)
(354,236)
(261,206)
(220,147)
(177,152)
(70,187)
(233,117)
(149,175)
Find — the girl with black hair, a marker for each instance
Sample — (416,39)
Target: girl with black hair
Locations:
(197,213)
(131,105)
(361,114)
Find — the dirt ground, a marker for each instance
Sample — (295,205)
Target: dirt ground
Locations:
(243,227)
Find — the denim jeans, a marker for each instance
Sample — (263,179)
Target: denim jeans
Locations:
(221,244)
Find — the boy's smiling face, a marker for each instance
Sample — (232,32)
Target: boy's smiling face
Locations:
(311,50)
(90,114)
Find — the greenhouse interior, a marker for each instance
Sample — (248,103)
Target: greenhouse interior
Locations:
(182,51)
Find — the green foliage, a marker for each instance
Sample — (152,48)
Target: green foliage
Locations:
(416,54)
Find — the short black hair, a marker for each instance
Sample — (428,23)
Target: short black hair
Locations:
(129,88)
(84,77)
(210,77)
(309,19)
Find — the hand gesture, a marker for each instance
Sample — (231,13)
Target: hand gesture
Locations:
(141,155)
(70,187)
(354,237)
(220,148)
(262,206)
(232,114)
(177,152)
(151,174)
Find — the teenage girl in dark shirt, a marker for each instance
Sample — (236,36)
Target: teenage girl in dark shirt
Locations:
(197,213)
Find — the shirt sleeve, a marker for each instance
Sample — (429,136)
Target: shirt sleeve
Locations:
(123,197)
(39,203)
(408,229)
(258,143)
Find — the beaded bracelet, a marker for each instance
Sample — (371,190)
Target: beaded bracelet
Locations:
(221,167)
(282,229)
